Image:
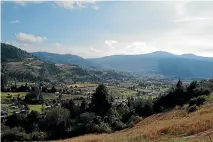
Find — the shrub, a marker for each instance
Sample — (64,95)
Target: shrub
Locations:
(101,128)
(192,108)
(56,121)
(143,107)
(86,117)
(112,116)
(197,101)
(14,134)
(38,136)
(133,120)
(118,125)
(122,110)
(77,129)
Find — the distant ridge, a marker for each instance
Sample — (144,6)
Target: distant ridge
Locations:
(160,62)
(64,59)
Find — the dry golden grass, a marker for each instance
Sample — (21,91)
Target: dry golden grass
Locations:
(176,125)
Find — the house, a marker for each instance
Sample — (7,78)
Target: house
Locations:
(14,107)
(16,112)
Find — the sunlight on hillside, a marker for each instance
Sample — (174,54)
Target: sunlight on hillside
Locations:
(176,125)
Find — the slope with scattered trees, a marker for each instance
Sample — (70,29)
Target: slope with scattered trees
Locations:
(101,116)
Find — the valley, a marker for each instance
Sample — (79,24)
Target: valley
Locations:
(48,99)
(106,71)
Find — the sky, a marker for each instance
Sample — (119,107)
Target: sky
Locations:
(93,29)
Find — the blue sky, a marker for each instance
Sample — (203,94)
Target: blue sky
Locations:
(97,28)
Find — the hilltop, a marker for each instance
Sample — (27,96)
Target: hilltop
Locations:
(64,59)
(159,62)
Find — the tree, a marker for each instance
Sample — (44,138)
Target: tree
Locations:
(53,89)
(101,100)
(143,107)
(33,96)
(179,84)
(72,107)
(56,122)
(4,81)
(83,106)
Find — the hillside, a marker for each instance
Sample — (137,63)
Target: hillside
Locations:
(22,66)
(167,64)
(64,59)
(11,53)
(176,125)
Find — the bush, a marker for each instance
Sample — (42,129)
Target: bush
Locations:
(56,121)
(86,117)
(112,116)
(118,125)
(143,107)
(38,136)
(77,129)
(133,120)
(101,128)
(122,110)
(192,108)
(197,101)
(14,134)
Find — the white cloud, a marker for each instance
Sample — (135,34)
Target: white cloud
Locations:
(68,4)
(29,38)
(25,2)
(73,3)
(14,22)
(58,44)
(65,4)
(95,7)
(192,19)
(93,50)
(110,43)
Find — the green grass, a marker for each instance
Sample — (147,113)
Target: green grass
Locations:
(35,107)
(83,85)
(32,107)
(51,96)
(115,93)
(14,94)
(210,98)
(129,93)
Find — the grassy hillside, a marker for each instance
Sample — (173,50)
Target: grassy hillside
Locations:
(174,126)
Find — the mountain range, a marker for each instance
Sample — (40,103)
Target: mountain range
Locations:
(159,62)
(22,66)
(64,59)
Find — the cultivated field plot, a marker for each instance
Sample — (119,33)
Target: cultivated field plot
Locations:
(83,85)
(8,95)
(6,98)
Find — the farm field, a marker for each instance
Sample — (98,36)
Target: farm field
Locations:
(83,85)
(4,95)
